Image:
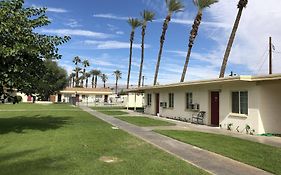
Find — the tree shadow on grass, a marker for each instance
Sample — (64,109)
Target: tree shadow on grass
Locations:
(24,163)
(21,123)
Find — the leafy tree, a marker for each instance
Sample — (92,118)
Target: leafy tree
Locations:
(22,50)
(104,79)
(54,80)
(134,23)
(95,73)
(118,75)
(200,4)
(241,5)
(147,16)
(173,6)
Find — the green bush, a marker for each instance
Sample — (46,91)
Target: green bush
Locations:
(19,98)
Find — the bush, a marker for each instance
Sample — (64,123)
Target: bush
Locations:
(18,98)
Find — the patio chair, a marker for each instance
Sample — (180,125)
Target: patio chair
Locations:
(199,117)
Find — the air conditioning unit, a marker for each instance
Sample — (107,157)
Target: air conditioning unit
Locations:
(163,104)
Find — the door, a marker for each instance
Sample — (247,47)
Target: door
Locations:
(215,108)
(106,98)
(59,98)
(157,101)
(29,98)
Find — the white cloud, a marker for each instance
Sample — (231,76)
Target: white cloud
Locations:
(73,23)
(76,32)
(112,44)
(52,9)
(110,16)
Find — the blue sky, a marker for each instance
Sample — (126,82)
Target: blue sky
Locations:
(100,33)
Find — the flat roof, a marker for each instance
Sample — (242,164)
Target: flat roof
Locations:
(101,91)
(241,78)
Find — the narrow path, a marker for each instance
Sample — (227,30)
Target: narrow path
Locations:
(211,162)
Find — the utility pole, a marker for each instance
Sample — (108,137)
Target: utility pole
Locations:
(270,55)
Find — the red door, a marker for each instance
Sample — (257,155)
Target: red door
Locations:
(215,108)
(29,98)
(157,101)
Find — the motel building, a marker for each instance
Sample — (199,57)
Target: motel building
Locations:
(232,102)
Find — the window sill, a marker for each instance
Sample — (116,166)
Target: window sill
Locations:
(238,115)
(192,110)
(168,108)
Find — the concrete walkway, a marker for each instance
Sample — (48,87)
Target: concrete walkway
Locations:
(272,141)
(210,162)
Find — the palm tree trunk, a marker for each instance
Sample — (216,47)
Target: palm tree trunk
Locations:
(162,40)
(104,84)
(116,82)
(230,42)
(96,81)
(76,78)
(142,53)
(130,58)
(73,81)
(193,34)
(87,83)
(93,82)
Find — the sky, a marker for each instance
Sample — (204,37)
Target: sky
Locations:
(100,33)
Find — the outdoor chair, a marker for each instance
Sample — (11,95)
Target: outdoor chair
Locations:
(199,117)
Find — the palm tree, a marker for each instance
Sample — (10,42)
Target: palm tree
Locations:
(76,60)
(104,79)
(134,23)
(118,75)
(201,4)
(85,64)
(173,6)
(73,79)
(95,73)
(147,16)
(241,5)
(87,76)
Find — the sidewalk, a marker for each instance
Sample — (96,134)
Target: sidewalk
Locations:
(272,141)
(203,159)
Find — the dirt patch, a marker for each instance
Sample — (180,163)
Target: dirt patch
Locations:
(110,159)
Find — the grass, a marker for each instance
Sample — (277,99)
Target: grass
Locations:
(114,113)
(108,108)
(66,141)
(259,155)
(144,121)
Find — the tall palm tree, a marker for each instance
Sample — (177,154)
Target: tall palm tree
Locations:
(134,23)
(77,70)
(173,6)
(87,76)
(73,79)
(104,79)
(118,75)
(147,16)
(241,5)
(76,60)
(201,4)
(85,64)
(95,73)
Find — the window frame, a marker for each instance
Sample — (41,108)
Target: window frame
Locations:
(171,100)
(149,99)
(188,102)
(239,102)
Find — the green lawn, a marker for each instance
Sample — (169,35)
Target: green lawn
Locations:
(72,142)
(114,113)
(144,121)
(255,154)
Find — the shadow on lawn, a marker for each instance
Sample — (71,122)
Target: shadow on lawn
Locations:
(23,163)
(41,123)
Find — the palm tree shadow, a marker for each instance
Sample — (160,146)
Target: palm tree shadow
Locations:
(42,123)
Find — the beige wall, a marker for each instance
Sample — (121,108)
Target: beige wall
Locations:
(264,101)
(134,100)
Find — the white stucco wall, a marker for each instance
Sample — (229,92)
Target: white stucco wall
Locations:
(134,100)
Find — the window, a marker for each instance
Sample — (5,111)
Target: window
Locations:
(189,100)
(240,102)
(148,99)
(171,100)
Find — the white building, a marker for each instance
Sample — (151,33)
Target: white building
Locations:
(234,101)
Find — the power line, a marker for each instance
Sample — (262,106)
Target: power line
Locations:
(262,63)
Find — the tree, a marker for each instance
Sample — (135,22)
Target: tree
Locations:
(76,60)
(134,23)
(201,4)
(87,76)
(85,64)
(73,79)
(95,73)
(22,50)
(241,5)
(104,79)
(118,75)
(173,6)
(146,17)
(54,80)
